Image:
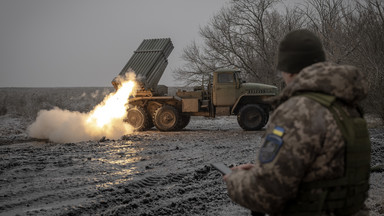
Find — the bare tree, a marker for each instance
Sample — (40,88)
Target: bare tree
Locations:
(371,50)
(332,21)
(198,66)
(244,35)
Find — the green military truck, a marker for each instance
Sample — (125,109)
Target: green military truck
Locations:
(226,94)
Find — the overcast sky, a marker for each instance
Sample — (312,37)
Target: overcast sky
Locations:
(76,43)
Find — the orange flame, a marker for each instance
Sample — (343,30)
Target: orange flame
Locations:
(113,106)
(107,117)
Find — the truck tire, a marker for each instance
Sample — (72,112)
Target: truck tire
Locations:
(266,117)
(138,118)
(252,117)
(184,121)
(166,118)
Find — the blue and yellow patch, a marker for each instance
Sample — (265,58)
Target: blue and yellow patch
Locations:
(272,145)
(279,131)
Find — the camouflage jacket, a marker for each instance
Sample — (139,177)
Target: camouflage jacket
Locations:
(312,145)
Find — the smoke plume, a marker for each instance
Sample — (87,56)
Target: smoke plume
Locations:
(106,119)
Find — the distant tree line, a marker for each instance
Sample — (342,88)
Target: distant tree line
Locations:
(245,35)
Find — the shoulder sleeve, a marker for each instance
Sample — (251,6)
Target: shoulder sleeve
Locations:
(268,185)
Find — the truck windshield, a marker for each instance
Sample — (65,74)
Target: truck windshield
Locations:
(225,78)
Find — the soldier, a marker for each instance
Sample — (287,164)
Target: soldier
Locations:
(315,159)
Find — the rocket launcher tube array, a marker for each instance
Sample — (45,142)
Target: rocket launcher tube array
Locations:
(148,62)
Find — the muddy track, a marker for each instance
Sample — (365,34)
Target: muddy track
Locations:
(148,173)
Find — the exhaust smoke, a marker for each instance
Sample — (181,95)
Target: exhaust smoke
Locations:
(106,119)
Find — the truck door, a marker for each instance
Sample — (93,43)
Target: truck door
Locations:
(224,89)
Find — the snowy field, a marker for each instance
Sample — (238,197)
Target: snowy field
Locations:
(147,173)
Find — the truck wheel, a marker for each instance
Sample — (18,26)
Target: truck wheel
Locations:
(138,118)
(184,121)
(251,117)
(166,118)
(266,117)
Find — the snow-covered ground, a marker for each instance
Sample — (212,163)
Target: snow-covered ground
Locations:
(147,173)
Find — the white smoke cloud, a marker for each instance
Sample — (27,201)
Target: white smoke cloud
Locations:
(62,126)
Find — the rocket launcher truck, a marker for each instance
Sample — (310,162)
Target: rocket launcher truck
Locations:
(226,94)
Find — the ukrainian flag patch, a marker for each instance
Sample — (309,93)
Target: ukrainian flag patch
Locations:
(279,131)
(272,145)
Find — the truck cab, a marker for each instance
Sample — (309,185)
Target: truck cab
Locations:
(230,93)
(225,87)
